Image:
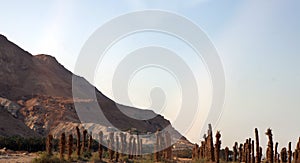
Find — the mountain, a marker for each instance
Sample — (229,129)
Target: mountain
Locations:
(41,90)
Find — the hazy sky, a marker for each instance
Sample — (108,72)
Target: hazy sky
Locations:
(258,42)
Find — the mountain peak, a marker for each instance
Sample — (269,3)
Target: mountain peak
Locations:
(46,58)
(2,37)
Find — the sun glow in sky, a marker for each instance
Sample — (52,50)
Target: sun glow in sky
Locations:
(258,42)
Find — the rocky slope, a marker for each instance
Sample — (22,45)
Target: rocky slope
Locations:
(11,122)
(41,90)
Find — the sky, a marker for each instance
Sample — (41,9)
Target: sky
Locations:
(257,41)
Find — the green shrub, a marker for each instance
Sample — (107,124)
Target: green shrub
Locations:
(45,158)
(87,154)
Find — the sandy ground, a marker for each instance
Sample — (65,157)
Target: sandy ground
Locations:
(17,158)
(27,158)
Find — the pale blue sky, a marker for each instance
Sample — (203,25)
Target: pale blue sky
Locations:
(258,42)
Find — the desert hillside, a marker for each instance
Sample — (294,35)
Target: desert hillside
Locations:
(41,90)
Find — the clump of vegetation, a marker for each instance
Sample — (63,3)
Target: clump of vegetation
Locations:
(84,141)
(283,155)
(78,145)
(87,154)
(184,153)
(217,147)
(91,150)
(258,153)
(70,146)
(290,153)
(49,144)
(270,152)
(100,146)
(45,157)
(18,143)
(62,146)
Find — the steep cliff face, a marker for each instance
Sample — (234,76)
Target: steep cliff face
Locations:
(42,90)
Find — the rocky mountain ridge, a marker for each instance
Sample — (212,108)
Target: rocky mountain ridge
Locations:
(36,91)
